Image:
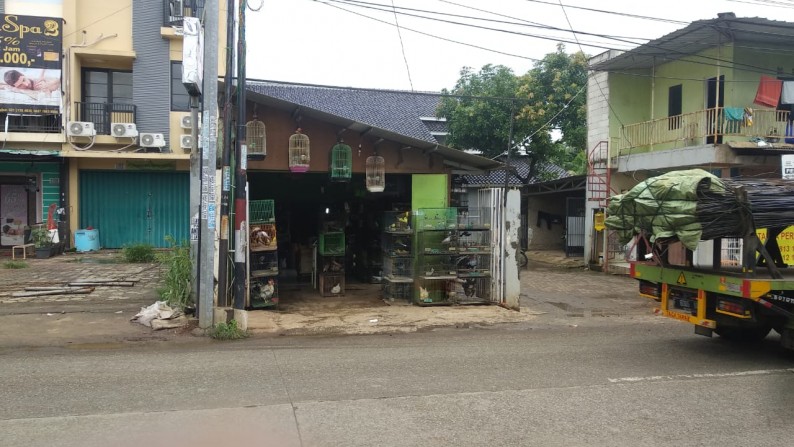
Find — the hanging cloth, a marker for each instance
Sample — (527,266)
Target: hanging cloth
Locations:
(768,91)
(734,113)
(787,96)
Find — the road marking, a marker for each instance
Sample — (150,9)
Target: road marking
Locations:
(759,372)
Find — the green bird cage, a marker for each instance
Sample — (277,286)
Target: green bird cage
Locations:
(261,211)
(299,155)
(341,162)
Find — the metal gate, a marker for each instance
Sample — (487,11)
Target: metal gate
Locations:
(135,207)
(574,226)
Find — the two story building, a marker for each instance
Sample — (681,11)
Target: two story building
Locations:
(716,94)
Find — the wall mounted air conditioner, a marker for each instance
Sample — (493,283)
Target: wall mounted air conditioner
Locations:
(187,121)
(186,142)
(121,130)
(80,129)
(152,140)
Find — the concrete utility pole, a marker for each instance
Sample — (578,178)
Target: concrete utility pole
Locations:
(195,199)
(228,120)
(209,149)
(240,202)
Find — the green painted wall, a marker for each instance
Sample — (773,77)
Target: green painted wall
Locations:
(429,191)
(50,180)
(629,96)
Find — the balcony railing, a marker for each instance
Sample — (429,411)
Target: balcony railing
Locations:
(17,122)
(176,10)
(702,127)
(103,114)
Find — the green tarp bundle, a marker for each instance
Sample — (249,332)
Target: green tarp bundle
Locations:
(664,207)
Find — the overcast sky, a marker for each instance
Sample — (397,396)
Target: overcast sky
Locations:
(330,42)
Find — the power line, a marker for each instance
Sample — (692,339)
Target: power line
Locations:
(635,16)
(402,46)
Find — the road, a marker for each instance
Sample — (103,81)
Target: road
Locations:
(622,382)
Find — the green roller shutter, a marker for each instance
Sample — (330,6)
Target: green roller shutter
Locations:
(135,207)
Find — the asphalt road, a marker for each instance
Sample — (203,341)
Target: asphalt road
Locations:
(622,382)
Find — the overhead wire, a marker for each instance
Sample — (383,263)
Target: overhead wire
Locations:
(402,46)
(617,13)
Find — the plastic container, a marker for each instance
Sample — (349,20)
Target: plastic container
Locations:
(86,240)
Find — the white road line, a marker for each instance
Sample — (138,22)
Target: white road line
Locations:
(759,372)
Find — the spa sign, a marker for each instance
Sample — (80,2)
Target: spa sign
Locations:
(30,64)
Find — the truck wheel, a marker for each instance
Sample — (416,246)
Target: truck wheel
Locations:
(753,334)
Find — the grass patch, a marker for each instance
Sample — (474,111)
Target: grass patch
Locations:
(138,253)
(13,264)
(227,331)
(176,282)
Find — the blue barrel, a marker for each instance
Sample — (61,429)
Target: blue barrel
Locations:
(86,240)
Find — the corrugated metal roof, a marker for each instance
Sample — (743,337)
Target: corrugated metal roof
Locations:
(699,36)
(545,172)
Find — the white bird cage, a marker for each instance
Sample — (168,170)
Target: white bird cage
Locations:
(256,138)
(299,155)
(376,173)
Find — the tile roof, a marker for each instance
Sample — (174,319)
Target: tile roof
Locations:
(547,171)
(392,110)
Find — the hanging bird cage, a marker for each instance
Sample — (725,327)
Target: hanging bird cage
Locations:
(341,162)
(376,173)
(256,140)
(299,152)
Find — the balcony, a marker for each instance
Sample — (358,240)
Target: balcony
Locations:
(708,126)
(176,10)
(103,114)
(18,122)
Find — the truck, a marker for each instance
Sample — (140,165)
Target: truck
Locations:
(713,252)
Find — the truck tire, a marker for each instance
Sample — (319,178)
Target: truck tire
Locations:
(743,334)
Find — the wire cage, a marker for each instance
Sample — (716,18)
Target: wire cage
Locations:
(473,265)
(437,242)
(436,218)
(376,173)
(332,284)
(299,154)
(474,218)
(262,237)
(264,263)
(436,267)
(263,292)
(332,244)
(397,221)
(397,244)
(398,267)
(475,290)
(331,264)
(434,292)
(341,162)
(474,241)
(261,211)
(398,291)
(256,139)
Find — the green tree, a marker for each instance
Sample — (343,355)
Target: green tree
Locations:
(549,97)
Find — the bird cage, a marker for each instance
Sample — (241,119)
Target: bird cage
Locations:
(256,138)
(376,173)
(299,152)
(341,162)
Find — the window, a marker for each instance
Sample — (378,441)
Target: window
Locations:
(180,99)
(107,86)
(674,100)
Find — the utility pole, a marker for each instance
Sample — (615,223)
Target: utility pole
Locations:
(209,149)
(228,120)
(240,202)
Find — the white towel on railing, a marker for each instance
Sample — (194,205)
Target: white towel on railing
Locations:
(787,95)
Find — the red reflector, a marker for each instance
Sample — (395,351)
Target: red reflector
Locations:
(632,270)
(746,288)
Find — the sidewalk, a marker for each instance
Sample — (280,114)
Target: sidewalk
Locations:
(554,288)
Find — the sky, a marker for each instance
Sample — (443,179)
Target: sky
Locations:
(338,42)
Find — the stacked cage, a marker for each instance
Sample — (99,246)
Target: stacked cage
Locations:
(437,249)
(475,252)
(262,255)
(398,256)
(331,263)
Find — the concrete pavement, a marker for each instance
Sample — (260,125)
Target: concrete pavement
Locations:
(555,290)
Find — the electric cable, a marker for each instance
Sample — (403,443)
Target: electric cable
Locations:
(402,46)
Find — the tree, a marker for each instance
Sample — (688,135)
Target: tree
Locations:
(549,97)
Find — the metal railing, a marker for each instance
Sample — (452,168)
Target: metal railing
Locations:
(17,122)
(103,114)
(690,129)
(174,11)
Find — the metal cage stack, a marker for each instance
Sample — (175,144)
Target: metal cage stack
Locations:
(262,254)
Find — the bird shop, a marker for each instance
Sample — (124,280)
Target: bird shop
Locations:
(338,208)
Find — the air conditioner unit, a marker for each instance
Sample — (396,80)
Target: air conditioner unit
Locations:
(152,140)
(186,142)
(121,130)
(80,129)
(187,122)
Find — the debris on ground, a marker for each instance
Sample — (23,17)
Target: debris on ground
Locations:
(160,316)
(42,291)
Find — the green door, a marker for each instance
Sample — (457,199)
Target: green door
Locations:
(135,207)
